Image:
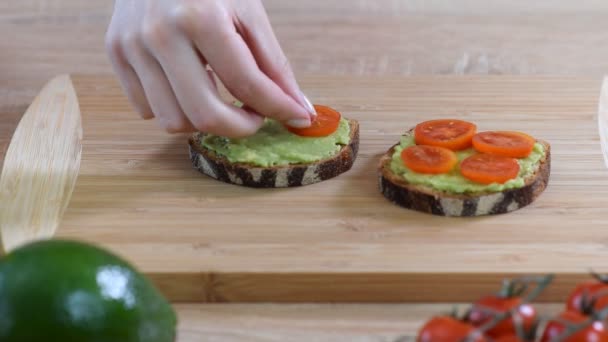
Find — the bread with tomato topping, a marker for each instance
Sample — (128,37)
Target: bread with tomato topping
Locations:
(278,158)
(443,200)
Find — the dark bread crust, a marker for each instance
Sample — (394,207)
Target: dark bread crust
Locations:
(220,168)
(425,199)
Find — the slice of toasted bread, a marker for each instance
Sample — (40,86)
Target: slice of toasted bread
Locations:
(216,166)
(428,200)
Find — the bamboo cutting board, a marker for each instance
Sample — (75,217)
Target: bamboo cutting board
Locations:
(202,240)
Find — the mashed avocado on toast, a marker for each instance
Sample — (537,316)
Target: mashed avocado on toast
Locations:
(278,156)
(453,181)
(274,145)
(445,167)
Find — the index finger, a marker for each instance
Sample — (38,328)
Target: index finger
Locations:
(228,54)
(253,24)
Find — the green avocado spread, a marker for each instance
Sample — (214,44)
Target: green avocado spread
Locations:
(453,181)
(274,145)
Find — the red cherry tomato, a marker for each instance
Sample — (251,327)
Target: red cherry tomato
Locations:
(595,331)
(447,133)
(449,329)
(499,304)
(489,168)
(506,144)
(586,291)
(326,123)
(429,159)
(509,338)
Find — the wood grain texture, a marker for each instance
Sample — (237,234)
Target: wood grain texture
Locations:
(43,38)
(203,240)
(41,167)
(417,37)
(320,323)
(602,119)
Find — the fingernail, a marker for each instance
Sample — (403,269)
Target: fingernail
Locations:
(299,123)
(309,106)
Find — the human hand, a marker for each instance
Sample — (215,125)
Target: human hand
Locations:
(160,50)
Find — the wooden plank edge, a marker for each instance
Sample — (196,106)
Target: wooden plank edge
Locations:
(313,322)
(344,287)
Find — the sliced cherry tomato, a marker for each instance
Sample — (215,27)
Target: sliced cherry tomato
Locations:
(429,159)
(455,135)
(499,304)
(506,144)
(488,168)
(449,329)
(326,123)
(595,331)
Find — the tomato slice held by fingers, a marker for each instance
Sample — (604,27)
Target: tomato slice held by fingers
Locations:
(326,123)
(455,135)
(503,143)
(488,168)
(429,159)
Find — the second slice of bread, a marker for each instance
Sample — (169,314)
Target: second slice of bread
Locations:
(428,200)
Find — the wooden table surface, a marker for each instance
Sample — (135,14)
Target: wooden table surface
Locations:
(42,38)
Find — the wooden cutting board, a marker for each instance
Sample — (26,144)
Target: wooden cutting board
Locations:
(202,240)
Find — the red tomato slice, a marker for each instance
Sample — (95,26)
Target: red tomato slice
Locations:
(489,168)
(429,159)
(455,135)
(507,144)
(326,123)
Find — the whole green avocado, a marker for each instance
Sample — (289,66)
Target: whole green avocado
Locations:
(69,291)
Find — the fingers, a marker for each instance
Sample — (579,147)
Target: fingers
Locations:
(212,78)
(161,64)
(128,79)
(236,67)
(255,28)
(157,88)
(195,89)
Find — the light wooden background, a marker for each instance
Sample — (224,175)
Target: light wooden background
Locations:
(41,38)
